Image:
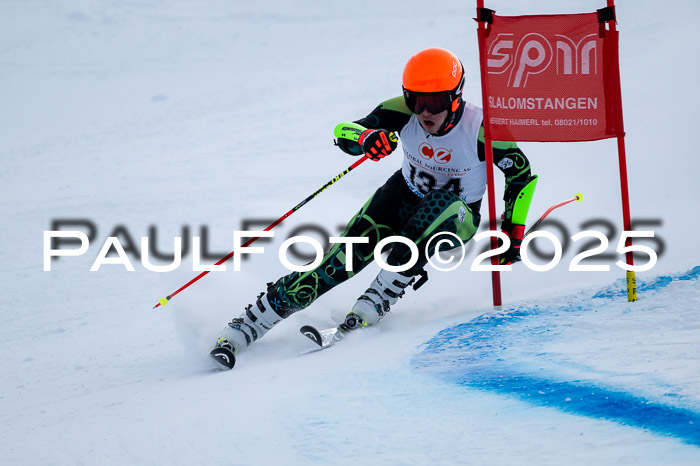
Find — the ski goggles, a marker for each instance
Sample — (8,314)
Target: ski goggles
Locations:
(433,102)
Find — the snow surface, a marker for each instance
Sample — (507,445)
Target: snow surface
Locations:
(178,114)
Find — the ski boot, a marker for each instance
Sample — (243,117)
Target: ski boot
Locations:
(377,300)
(369,309)
(374,303)
(252,325)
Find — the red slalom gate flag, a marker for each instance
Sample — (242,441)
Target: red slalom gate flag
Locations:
(551,78)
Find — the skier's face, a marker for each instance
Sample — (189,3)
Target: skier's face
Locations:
(431,123)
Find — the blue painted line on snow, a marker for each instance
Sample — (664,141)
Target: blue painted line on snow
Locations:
(474,354)
(619,288)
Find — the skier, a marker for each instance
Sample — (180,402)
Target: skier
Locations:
(438,189)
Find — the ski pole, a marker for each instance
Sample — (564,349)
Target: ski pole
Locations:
(578,197)
(349,131)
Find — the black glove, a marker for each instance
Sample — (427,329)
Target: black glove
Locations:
(516,233)
(377,143)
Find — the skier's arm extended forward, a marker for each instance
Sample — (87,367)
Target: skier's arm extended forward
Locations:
(391,115)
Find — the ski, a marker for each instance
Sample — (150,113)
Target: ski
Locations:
(224,357)
(323,338)
(331,336)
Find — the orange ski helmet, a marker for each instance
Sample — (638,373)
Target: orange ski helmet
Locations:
(433,79)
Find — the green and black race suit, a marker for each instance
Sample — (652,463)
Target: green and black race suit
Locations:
(438,189)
